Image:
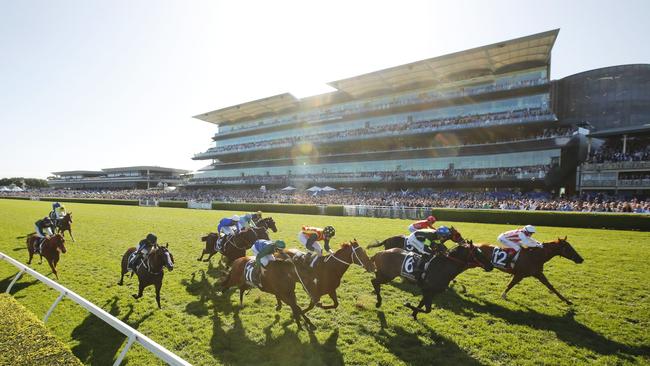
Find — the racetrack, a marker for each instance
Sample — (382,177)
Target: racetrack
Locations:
(608,324)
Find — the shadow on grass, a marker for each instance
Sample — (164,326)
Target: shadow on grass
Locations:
(565,326)
(408,346)
(99,342)
(19,285)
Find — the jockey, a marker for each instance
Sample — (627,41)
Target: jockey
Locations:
(228,226)
(418,239)
(423,224)
(256,216)
(57,213)
(310,236)
(43,231)
(246,221)
(143,248)
(263,250)
(516,238)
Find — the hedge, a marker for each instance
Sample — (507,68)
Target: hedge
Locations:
(24,339)
(547,218)
(15,198)
(268,207)
(92,200)
(175,204)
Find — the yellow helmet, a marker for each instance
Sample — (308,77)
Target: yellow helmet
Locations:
(259,213)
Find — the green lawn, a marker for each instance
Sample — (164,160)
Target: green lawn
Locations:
(607,325)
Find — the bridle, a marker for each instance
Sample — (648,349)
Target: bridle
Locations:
(147,266)
(353,256)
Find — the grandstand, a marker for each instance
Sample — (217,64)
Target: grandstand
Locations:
(118,178)
(477,118)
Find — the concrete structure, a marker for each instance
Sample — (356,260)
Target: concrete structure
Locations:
(117,178)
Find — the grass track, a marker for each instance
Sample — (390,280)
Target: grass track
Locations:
(608,325)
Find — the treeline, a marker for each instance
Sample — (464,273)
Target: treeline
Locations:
(29,182)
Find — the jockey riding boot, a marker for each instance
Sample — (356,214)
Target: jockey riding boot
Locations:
(133,261)
(420,272)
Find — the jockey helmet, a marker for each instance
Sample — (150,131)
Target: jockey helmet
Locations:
(280,244)
(151,238)
(444,232)
(55,205)
(259,214)
(431,219)
(47,221)
(235,218)
(530,229)
(329,231)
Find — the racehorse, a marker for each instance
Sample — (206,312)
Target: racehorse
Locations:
(399,241)
(531,263)
(150,270)
(278,279)
(65,224)
(49,249)
(236,246)
(441,270)
(328,271)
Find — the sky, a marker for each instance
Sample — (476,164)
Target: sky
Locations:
(97,84)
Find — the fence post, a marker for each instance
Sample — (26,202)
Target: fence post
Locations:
(56,302)
(20,273)
(119,359)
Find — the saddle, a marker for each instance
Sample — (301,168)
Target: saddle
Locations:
(505,257)
(253,274)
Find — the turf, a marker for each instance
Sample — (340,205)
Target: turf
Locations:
(607,325)
(25,340)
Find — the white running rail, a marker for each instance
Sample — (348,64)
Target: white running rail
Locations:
(132,334)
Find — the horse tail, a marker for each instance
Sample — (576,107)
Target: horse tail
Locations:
(375,244)
(26,236)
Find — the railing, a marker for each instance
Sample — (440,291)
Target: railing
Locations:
(132,334)
(616,165)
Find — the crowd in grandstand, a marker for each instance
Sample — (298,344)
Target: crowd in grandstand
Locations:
(612,151)
(503,200)
(407,127)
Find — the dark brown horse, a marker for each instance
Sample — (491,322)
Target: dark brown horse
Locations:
(329,271)
(278,279)
(150,270)
(399,241)
(236,246)
(49,249)
(65,224)
(441,270)
(531,263)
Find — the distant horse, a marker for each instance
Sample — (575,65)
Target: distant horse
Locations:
(278,279)
(531,263)
(399,241)
(49,249)
(236,246)
(328,271)
(441,270)
(65,224)
(150,270)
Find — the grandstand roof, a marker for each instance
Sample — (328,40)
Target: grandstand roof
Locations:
(529,51)
(79,172)
(145,167)
(628,130)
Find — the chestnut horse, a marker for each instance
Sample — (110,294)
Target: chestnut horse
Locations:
(278,279)
(399,241)
(236,246)
(49,249)
(150,270)
(442,269)
(65,224)
(531,263)
(329,271)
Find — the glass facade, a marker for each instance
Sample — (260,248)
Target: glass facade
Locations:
(528,158)
(612,97)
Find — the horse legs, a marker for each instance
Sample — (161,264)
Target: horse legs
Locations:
(202,254)
(540,276)
(427,298)
(209,256)
(121,282)
(376,283)
(53,267)
(515,280)
(158,286)
(140,289)
(279,305)
(334,298)
(241,296)
(70,231)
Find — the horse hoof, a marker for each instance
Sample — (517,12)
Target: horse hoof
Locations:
(504,297)
(135,296)
(311,327)
(378,304)
(119,283)
(278,307)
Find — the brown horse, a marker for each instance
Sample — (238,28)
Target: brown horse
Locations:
(65,224)
(278,279)
(441,270)
(399,241)
(531,263)
(49,249)
(236,246)
(150,270)
(329,271)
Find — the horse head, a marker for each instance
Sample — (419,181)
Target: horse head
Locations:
(567,251)
(162,257)
(359,256)
(268,223)
(59,242)
(68,217)
(455,236)
(472,255)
